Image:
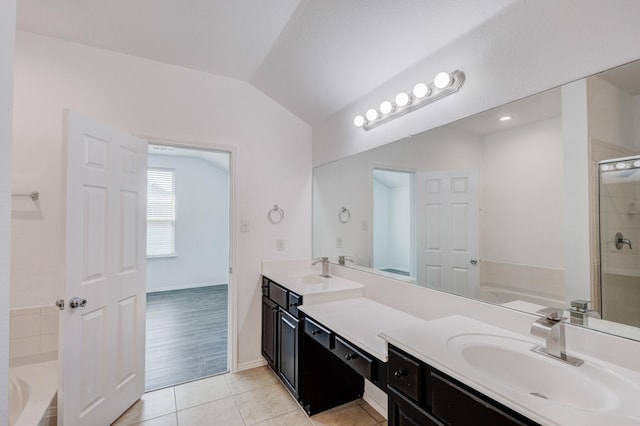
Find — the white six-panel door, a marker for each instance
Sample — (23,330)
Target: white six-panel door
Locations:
(102,343)
(448,238)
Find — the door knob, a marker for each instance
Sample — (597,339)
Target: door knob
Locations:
(473,261)
(76,302)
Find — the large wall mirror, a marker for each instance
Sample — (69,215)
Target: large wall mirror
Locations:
(480,207)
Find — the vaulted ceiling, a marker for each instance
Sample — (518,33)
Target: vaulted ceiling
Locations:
(314,57)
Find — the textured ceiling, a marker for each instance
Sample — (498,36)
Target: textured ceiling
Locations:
(313,57)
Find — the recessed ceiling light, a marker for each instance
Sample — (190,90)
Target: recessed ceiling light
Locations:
(505,118)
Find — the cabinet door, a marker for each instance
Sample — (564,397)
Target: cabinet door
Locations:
(404,412)
(269,330)
(288,332)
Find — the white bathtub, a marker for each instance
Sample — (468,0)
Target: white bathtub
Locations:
(32,388)
(505,296)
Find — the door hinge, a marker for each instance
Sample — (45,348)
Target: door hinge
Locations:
(231,270)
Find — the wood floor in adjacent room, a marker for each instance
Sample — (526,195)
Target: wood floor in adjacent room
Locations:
(186,335)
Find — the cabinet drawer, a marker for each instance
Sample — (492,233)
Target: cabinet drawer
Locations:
(358,360)
(318,333)
(278,294)
(456,406)
(406,375)
(265,286)
(294,301)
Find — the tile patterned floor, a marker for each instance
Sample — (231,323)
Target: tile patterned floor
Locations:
(251,397)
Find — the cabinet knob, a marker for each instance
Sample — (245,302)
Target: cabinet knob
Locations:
(398,374)
(350,357)
(291,305)
(314,332)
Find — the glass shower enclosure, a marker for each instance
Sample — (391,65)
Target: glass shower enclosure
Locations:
(619,215)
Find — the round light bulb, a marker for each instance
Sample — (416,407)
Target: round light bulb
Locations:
(402,99)
(605,167)
(620,166)
(421,90)
(386,107)
(371,114)
(358,121)
(442,80)
(636,163)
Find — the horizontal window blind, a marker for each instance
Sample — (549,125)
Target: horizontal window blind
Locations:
(160,212)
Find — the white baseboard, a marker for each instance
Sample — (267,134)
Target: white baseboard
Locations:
(182,286)
(251,364)
(376,398)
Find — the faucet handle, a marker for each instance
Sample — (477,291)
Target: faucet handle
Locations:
(554,314)
(580,304)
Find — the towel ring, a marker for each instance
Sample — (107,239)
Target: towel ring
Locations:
(344,215)
(278,218)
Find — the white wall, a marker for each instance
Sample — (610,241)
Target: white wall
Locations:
(530,47)
(610,113)
(7,39)
(381,225)
(400,225)
(202,226)
(272,165)
(522,218)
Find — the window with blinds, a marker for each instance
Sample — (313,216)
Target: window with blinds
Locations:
(161,218)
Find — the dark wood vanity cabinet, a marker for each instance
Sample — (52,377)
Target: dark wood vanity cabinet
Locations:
(281,332)
(305,361)
(288,352)
(269,330)
(421,395)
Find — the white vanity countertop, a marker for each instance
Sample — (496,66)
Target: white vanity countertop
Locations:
(309,282)
(360,320)
(430,341)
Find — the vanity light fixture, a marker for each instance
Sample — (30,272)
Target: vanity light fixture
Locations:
(442,80)
(421,90)
(402,99)
(385,107)
(444,84)
(371,114)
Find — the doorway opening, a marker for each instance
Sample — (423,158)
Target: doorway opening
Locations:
(393,221)
(188,204)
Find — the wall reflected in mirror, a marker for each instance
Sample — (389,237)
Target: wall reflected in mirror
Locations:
(478,207)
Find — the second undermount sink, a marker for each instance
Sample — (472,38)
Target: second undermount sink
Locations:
(312,279)
(508,363)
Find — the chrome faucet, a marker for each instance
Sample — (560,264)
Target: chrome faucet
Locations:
(344,259)
(551,328)
(325,266)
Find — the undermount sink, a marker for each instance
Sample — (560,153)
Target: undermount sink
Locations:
(508,362)
(311,279)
